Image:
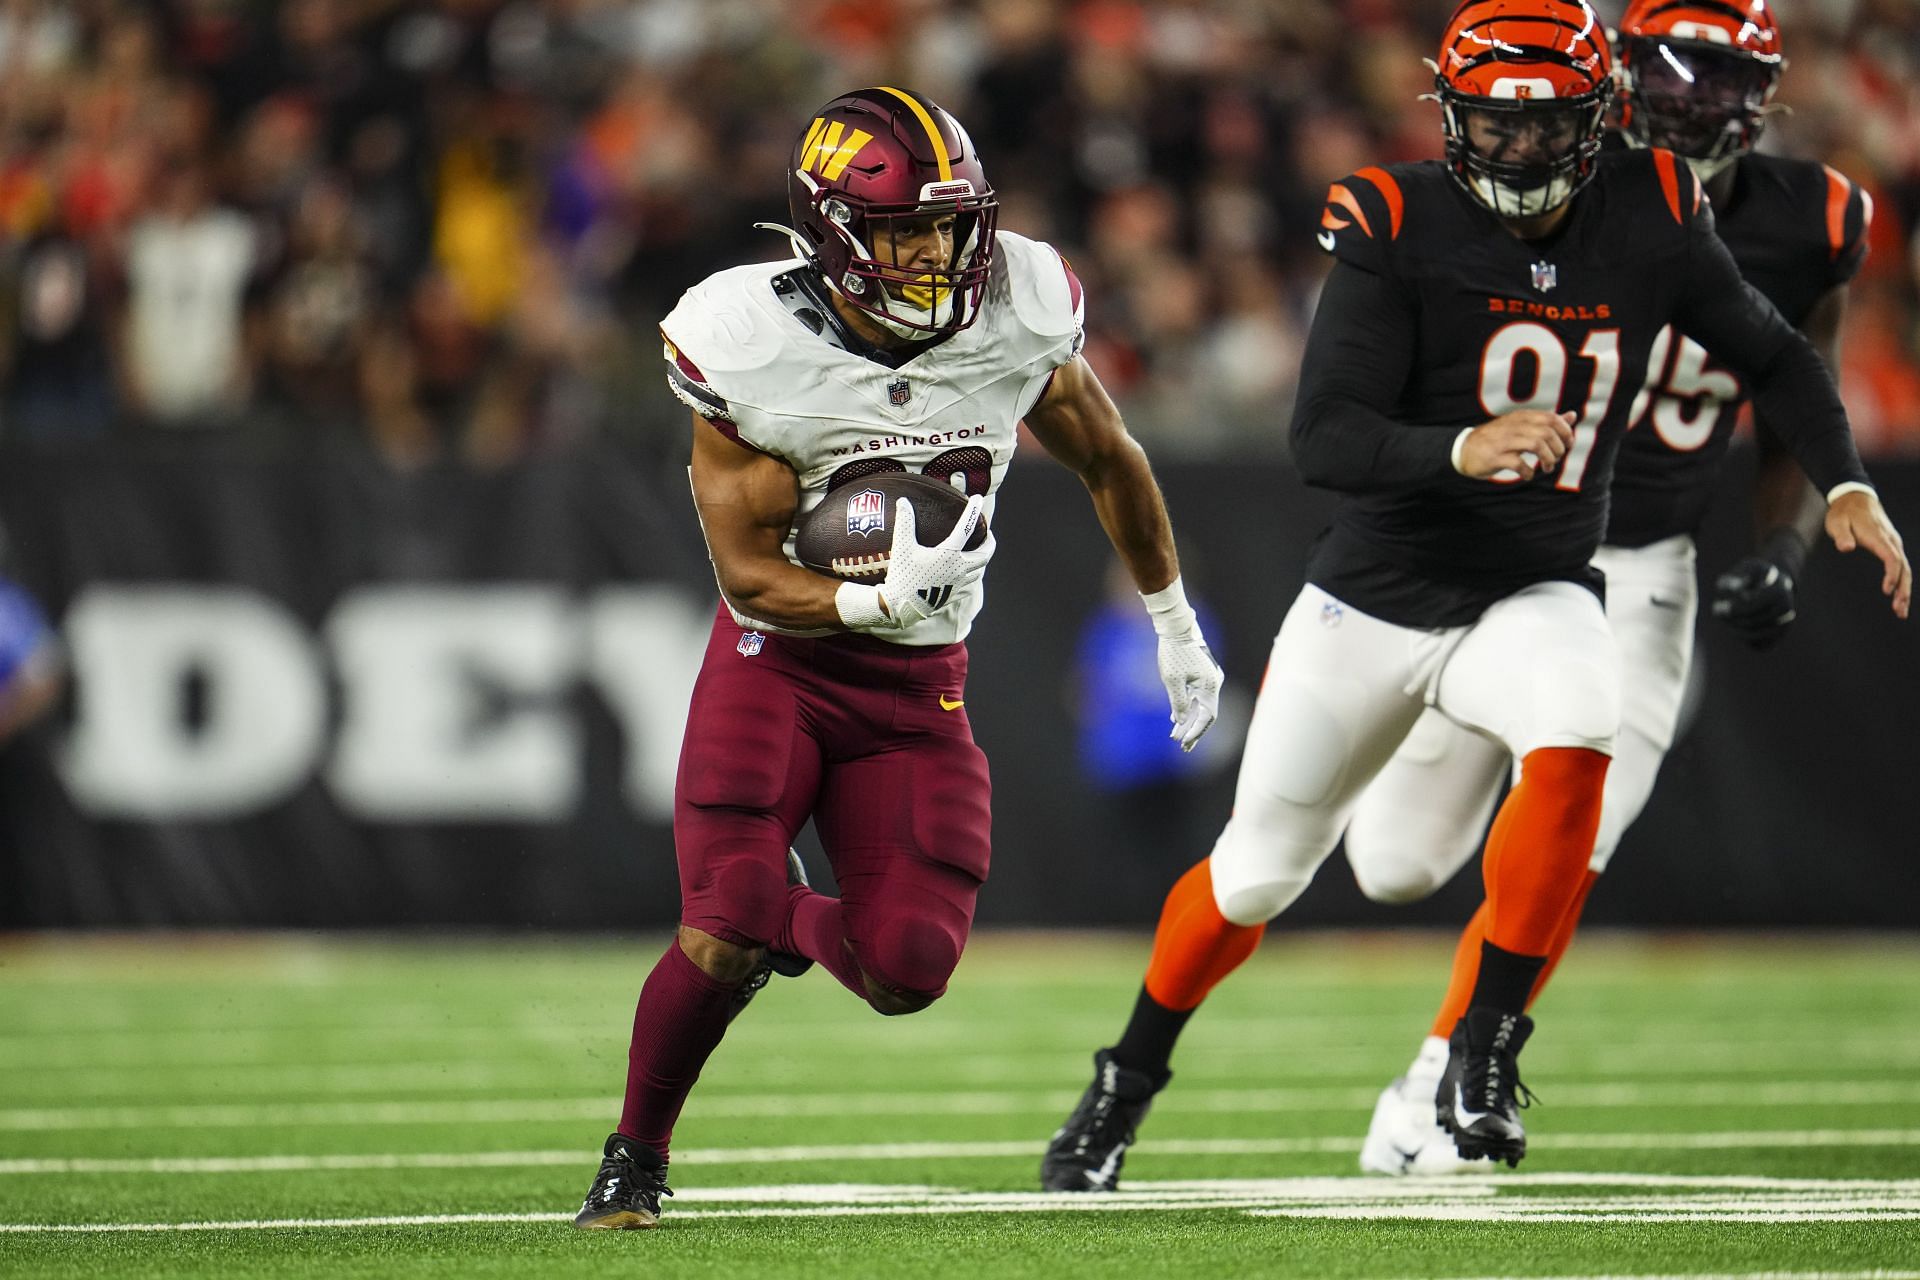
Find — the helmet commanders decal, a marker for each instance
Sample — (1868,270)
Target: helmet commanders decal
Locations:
(891,205)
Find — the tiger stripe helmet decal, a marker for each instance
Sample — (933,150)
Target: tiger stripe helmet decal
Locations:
(1524,87)
(1698,76)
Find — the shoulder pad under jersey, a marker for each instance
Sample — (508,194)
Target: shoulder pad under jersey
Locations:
(1362,219)
(1658,187)
(1849,217)
(1045,294)
(723,326)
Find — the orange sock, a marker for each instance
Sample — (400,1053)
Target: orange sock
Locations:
(1563,937)
(1466,960)
(1195,946)
(1538,849)
(1466,971)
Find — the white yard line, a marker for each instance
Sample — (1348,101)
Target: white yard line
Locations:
(951,1102)
(1673,1046)
(1762,1140)
(80,1074)
(1482,1199)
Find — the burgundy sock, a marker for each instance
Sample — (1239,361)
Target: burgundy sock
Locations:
(677,1024)
(816,928)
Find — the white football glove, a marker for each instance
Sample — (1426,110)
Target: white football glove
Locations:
(1187,667)
(921,580)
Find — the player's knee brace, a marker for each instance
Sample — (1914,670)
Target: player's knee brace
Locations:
(906,964)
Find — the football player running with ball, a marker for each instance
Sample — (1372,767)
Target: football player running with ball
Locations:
(1521,284)
(1697,77)
(909,334)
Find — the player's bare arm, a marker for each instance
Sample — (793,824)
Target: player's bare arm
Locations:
(1080,427)
(1077,423)
(746,500)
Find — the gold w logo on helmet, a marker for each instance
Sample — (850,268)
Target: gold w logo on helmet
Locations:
(823,146)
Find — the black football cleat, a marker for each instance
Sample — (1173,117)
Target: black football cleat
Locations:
(1087,1152)
(1480,1095)
(625,1195)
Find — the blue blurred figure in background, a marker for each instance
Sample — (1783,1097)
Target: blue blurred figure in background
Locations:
(30,665)
(1146,785)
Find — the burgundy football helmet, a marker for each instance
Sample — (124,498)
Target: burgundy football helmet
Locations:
(870,162)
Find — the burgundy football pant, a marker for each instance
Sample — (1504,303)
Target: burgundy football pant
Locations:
(870,740)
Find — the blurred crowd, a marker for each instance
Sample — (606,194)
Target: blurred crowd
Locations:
(446,228)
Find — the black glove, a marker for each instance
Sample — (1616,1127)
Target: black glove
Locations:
(1756,596)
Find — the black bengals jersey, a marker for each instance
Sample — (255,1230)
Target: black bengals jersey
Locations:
(1436,318)
(1796,230)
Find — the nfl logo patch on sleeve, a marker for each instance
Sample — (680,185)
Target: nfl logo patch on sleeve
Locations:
(867,512)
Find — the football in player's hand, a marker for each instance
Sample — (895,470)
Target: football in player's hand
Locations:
(850,534)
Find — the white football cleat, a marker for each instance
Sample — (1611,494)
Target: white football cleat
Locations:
(1404,1139)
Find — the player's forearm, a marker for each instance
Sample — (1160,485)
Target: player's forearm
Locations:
(1794,394)
(1793,390)
(1342,444)
(1788,512)
(1127,499)
(781,595)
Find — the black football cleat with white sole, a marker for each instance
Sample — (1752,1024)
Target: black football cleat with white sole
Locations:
(1480,1095)
(626,1193)
(1087,1152)
(787,964)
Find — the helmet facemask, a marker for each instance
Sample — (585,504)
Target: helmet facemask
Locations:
(1703,103)
(1522,156)
(874,256)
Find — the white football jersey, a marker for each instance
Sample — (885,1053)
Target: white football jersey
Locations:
(740,357)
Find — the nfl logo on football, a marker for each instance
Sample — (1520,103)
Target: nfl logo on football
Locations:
(1545,276)
(899,392)
(867,512)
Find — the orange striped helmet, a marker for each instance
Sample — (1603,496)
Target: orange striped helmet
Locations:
(1524,87)
(1698,75)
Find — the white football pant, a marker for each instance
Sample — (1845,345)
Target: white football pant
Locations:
(1425,815)
(1344,689)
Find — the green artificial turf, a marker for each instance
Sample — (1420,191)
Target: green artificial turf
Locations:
(313,1084)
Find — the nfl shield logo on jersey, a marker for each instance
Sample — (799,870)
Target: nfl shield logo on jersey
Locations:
(867,513)
(751,644)
(1545,276)
(898,392)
